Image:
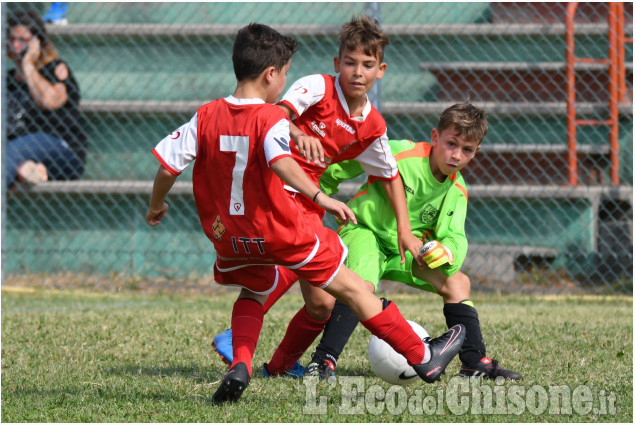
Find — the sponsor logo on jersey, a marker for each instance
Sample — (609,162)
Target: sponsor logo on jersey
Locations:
(284,144)
(408,189)
(219,228)
(428,214)
(175,134)
(246,242)
(301,89)
(318,127)
(345,126)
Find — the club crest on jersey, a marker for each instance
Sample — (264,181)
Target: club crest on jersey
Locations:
(428,214)
(219,228)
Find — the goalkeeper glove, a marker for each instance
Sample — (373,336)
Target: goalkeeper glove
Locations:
(435,254)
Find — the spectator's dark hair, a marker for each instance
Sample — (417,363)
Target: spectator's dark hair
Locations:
(468,120)
(258,47)
(363,33)
(33,22)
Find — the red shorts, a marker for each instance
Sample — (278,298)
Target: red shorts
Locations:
(316,263)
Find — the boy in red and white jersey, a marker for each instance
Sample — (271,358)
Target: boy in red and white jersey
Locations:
(241,147)
(333,120)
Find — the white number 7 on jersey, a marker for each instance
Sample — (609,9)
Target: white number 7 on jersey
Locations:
(240,145)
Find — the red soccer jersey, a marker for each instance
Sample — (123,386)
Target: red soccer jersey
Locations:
(320,110)
(241,202)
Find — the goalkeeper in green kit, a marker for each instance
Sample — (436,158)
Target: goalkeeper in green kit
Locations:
(437,199)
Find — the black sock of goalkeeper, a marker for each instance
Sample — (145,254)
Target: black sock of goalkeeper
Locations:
(336,334)
(464,313)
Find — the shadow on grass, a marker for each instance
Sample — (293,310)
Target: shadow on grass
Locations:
(196,372)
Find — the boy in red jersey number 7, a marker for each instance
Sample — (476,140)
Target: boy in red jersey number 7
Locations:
(241,147)
(333,121)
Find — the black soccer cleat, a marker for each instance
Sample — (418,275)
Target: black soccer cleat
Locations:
(325,371)
(442,350)
(489,369)
(233,384)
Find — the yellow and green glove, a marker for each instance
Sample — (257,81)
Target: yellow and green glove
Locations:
(435,254)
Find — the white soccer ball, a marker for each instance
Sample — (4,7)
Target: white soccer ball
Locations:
(389,365)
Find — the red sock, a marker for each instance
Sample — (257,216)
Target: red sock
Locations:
(390,326)
(301,333)
(286,279)
(246,325)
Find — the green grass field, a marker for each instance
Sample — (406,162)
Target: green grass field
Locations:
(130,357)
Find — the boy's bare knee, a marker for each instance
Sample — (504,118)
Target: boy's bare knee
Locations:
(457,288)
(320,311)
(319,304)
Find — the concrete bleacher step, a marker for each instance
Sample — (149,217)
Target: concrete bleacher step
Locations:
(347,189)
(587,12)
(113,68)
(576,210)
(272,13)
(116,47)
(522,81)
(314,29)
(102,91)
(122,134)
(534,164)
(509,260)
(388,107)
(209,12)
(503,108)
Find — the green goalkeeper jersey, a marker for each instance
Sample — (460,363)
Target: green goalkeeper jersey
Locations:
(436,209)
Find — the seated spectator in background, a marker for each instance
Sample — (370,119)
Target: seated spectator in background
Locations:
(46,140)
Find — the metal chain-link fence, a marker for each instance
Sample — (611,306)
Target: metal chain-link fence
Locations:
(550,194)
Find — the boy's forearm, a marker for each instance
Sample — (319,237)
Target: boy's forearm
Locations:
(450,228)
(397,197)
(294,131)
(290,172)
(163,182)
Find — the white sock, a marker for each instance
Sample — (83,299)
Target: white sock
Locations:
(427,355)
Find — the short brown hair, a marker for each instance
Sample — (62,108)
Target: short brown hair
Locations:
(258,47)
(363,33)
(468,120)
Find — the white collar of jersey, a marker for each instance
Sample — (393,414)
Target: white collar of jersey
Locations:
(340,95)
(236,101)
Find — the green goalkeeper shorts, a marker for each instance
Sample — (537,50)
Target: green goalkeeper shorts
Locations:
(368,258)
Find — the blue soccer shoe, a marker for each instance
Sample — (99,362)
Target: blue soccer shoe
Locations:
(296,371)
(222,344)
